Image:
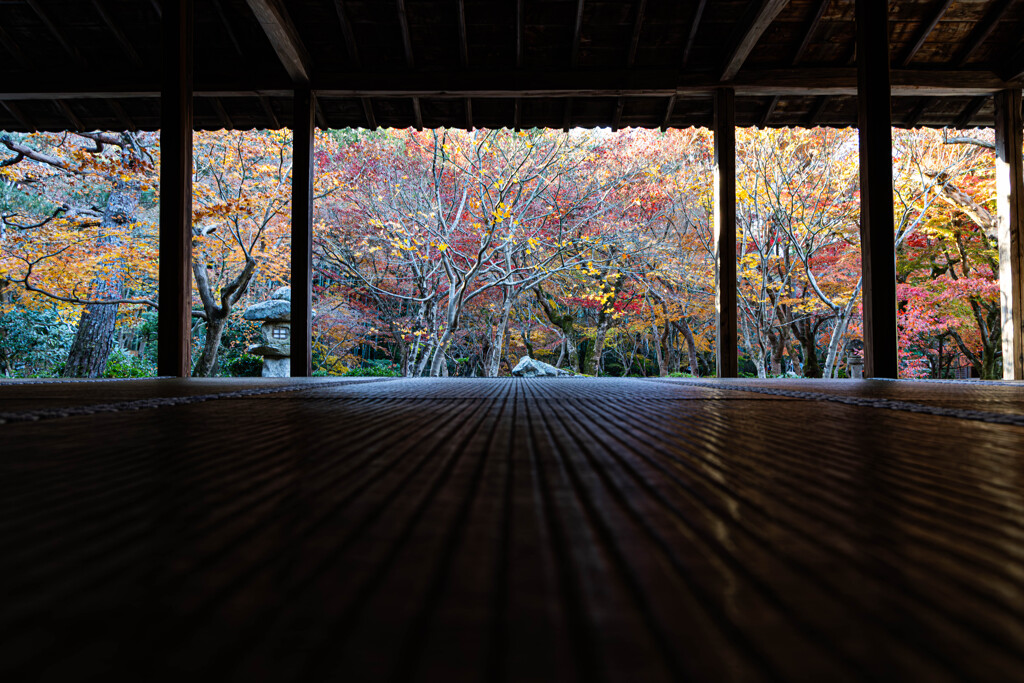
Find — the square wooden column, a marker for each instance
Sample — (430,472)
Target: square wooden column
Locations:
(175,275)
(302,232)
(877,226)
(726,341)
(1010,208)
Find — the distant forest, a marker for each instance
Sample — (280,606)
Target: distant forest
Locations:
(454,253)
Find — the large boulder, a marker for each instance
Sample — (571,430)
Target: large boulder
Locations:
(273,309)
(284,293)
(528,367)
(277,367)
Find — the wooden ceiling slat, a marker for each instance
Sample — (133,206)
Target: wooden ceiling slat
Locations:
(970,111)
(812,27)
(72,51)
(283,36)
(122,116)
(463,40)
(347,33)
(925,31)
(219,7)
(698,13)
(268,111)
(755,25)
(982,30)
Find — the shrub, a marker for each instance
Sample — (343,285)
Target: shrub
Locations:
(380,368)
(245,365)
(120,363)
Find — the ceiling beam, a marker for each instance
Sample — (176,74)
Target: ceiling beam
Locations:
(118,34)
(925,31)
(668,111)
(638,25)
(417,114)
(463,40)
(698,13)
(65,110)
(754,26)
(970,111)
(371,120)
(577,34)
(52,28)
(268,111)
(915,116)
(532,84)
(15,111)
(219,7)
(122,116)
(469,113)
(346,31)
(403,24)
(520,21)
(284,37)
(816,110)
(812,27)
(222,114)
(982,30)
(768,112)
(1015,65)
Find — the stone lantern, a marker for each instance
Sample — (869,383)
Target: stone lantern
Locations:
(276,332)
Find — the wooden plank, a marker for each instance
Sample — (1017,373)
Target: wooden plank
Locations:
(527,83)
(754,26)
(302,233)
(809,32)
(283,36)
(925,31)
(175,273)
(577,34)
(691,36)
(877,229)
(970,111)
(982,30)
(1010,209)
(638,24)
(726,341)
(463,39)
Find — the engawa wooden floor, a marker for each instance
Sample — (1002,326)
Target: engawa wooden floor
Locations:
(536,530)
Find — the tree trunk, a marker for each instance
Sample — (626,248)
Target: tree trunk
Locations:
(94,339)
(208,358)
(691,347)
(496,349)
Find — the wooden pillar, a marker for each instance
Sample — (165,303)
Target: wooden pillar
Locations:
(175,278)
(1010,208)
(877,227)
(726,342)
(302,232)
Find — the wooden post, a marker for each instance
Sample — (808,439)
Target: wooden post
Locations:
(726,342)
(877,227)
(1010,208)
(302,232)
(175,279)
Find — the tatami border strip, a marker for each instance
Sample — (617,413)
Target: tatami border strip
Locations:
(866,402)
(148,403)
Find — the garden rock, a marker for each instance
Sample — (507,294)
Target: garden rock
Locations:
(528,367)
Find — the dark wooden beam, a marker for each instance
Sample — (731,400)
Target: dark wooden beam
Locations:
(982,30)
(617,116)
(577,34)
(55,32)
(816,110)
(12,47)
(371,120)
(175,279)
(122,116)
(302,233)
(698,13)
(520,38)
(417,114)
(638,26)
(754,25)
(403,24)
(926,29)
(657,83)
(1014,70)
(970,111)
(118,34)
(809,31)
(516,114)
(726,341)
(219,7)
(1010,228)
(877,229)
(269,112)
(567,115)
(69,116)
(463,38)
(919,109)
(284,37)
(222,114)
(346,31)
(15,111)
(668,111)
(768,112)
(469,113)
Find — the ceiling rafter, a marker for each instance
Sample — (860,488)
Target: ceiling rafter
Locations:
(371,119)
(15,111)
(925,31)
(463,38)
(118,34)
(769,110)
(918,111)
(469,113)
(284,38)
(121,115)
(55,32)
(69,115)
(668,111)
(816,111)
(219,7)
(12,47)
(268,111)
(982,30)
(970,111)
(812,28)
(346,32)
(403,24)
(754,25)
(577,34)
(222,113)
(698,13)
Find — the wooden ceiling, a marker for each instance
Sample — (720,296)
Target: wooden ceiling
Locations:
(95,64)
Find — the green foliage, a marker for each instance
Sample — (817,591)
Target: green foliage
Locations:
(679,374)
(244,365)
(33,343)
(381,368)
(121,363)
